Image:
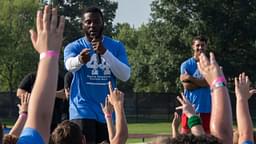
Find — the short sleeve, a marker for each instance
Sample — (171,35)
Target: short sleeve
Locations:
(183,68)
(30,136)
(247,142)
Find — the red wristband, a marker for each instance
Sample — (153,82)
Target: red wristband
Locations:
(49,53)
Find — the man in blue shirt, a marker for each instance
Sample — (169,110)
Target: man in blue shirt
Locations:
(94,60)
(196,89)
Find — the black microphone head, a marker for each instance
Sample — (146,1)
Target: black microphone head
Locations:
(93,35)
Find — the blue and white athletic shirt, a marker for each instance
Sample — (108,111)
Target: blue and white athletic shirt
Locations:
(89,86)
(30,136)
(200,97)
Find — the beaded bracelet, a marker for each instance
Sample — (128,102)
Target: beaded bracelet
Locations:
(193,121)
(49,53)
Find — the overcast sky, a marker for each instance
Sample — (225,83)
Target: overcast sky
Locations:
(135,12)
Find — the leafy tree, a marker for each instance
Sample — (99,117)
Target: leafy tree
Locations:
(137,42)
(229,26)
(129,36)
(16,54)
(157,49)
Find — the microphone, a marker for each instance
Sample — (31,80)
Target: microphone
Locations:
(98,56)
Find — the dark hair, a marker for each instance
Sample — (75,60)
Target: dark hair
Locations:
(10,139)
(192,139)
(200,38)
(92,9)
(66,132)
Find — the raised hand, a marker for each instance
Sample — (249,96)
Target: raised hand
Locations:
(98,46)
(47,41)
(115,96)
(242,86)
(209,68)
(176,120)
(49,34)
(84,56)
(24,100)
(221,115)
(175,124)
(107,108)
(186,106)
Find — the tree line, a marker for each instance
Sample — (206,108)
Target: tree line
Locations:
(155,49)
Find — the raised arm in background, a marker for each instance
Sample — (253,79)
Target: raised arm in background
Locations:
(244,122)
(108,110)
(189,111)
(47,41)
(23,109)
(116,98)
(221,115)
(175,124)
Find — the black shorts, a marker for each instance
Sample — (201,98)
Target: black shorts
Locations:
(94,131)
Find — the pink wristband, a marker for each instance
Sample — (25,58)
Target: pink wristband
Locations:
(108,115)
(49,53)
(220,79)
(23,115)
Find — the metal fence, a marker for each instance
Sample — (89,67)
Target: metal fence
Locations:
(139,107)
(8,105)
(149,106)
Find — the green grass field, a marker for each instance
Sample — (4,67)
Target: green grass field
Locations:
(147,128)
(137,128)
(134,128)
(154,128)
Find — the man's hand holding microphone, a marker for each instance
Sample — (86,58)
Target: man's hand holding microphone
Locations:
(97,46)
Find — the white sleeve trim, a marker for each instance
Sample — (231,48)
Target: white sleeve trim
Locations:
(73,64)
(119,69)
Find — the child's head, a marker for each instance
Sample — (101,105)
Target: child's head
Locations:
(67,132)
(187,138)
